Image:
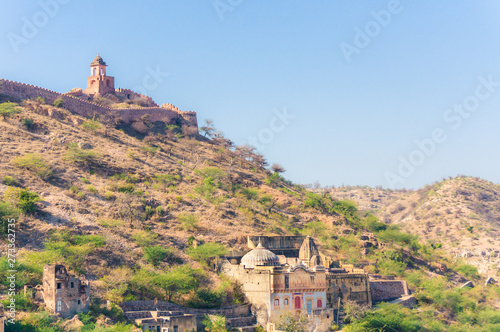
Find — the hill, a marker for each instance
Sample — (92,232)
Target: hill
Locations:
(459,214)
(140,209)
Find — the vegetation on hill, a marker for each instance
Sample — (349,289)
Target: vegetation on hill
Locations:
(143,211)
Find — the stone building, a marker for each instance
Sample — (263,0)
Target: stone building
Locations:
(62,293)
(276,285)
(290,274)
(98,83)
(164,321)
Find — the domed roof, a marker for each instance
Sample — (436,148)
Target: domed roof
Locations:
(98,61)
(259,256)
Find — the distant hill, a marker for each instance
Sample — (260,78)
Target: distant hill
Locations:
(460,214)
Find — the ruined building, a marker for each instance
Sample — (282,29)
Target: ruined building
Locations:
(62,293)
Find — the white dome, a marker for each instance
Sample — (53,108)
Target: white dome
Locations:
(260,256)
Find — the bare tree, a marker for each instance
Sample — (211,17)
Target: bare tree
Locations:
(277,168)
(208,129)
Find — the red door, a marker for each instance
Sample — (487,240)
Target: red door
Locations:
(297,302)
(320,303)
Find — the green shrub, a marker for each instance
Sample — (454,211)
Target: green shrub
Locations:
(76,155)
(215,173)
(58,103)
(22,199)
(128,188)
(109,195)
(216,323)
(206,299)
(10,181)
(144,238)
(205,252)
(28,123)
(92,126)
(110,223)
(92,189)
(85,180)
(250,194)
(470,271)
(8,109)
(157,254)
(41,100)
(34,163)
(188,221)
(7,211)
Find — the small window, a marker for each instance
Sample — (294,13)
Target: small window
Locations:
(72,284)
(286,301)
(176,328)
(79,302)
(59,306)
(59,285)
(276,302)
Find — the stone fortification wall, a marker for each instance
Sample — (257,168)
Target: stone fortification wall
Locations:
(88,109)
(387,290)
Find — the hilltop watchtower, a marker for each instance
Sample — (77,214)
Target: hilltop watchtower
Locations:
(99,83)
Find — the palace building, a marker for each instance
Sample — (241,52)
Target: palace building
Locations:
(290,275)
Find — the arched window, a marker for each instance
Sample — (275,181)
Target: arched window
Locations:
(297,302)
(108,83)
(286,302)
(276,302)
(320,303)
(95,72)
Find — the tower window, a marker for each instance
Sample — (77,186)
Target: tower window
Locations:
(59,285)
(72,284)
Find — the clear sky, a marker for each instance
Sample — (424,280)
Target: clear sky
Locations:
(391,93)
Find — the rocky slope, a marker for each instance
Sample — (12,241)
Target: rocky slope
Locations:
(460,214)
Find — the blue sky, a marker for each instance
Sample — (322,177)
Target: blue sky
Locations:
(356,118)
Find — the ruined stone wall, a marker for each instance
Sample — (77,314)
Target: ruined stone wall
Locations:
(71,293)
(387,290)
(88,109)
(348,286)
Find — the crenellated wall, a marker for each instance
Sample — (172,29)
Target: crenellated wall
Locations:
(88,109)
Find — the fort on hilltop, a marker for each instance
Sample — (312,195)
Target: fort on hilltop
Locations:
(99,84)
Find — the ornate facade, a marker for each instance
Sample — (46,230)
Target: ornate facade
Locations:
(291,277)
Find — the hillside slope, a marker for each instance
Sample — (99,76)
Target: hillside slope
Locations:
(141,209)
(460,214)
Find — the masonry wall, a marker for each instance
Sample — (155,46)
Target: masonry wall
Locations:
(387,290)
(347,286)
(88,109)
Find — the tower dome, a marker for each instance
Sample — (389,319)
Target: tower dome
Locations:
(260,256)
(98,61)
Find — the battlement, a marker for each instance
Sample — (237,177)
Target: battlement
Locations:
(166,112)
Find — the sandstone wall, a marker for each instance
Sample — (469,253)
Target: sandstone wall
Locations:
(88,109)
(387,290)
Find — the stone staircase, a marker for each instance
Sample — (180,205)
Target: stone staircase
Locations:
(246,323)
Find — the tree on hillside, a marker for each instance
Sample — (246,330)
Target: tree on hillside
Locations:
(215,323)
(8,109)
(219,139)
(277,168)
(208,129)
